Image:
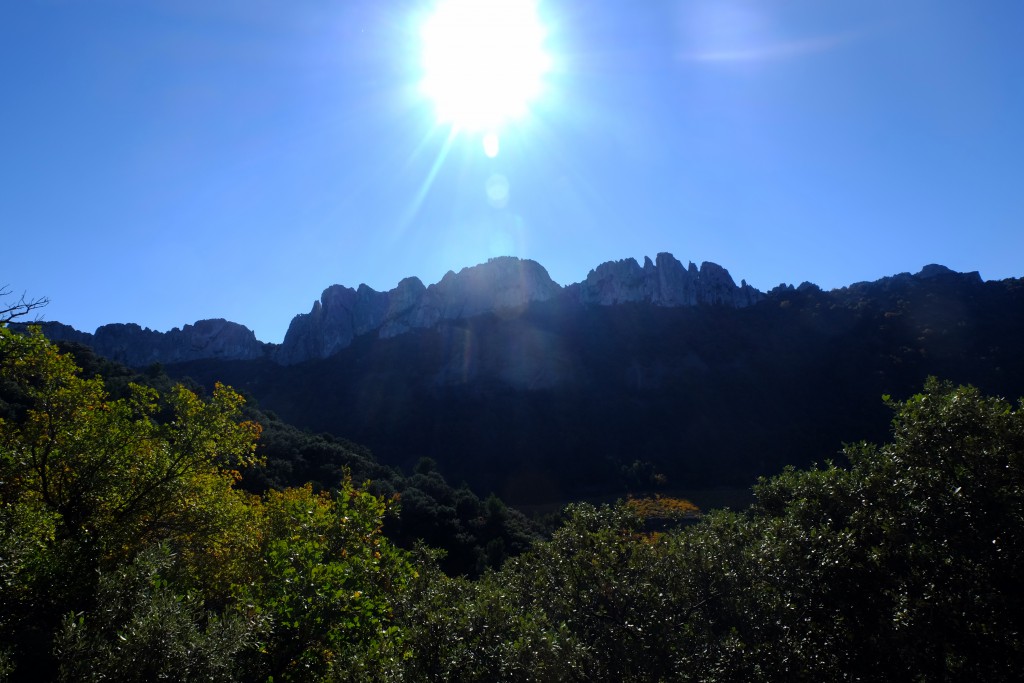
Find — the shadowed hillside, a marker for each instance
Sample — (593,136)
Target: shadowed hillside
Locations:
(559,400)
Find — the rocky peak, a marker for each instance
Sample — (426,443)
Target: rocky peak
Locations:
(935,270)
(902,281)
(616,282)
(501,283)
(330,325)
(663,282)
(342,313)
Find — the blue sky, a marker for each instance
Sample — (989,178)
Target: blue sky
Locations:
(163,161)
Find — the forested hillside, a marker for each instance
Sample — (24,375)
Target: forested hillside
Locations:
(474,533)
(128,551)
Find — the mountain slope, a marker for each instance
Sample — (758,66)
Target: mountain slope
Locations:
(556,399)
(638,378)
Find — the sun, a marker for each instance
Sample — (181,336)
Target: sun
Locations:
(483,61)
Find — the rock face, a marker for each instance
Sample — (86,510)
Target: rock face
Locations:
(139,346)
(343,313)
(337,317)
(664,282)
(505,283)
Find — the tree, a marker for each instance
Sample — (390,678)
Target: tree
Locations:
(87,483)
(904,565)
(18,308)
(128,553)
(147,626)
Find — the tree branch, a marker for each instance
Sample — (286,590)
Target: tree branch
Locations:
(23,306)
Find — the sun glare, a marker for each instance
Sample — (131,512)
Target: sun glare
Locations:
(483,60)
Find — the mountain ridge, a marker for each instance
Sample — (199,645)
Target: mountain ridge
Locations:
(501,284)
(613,385)
(559,400)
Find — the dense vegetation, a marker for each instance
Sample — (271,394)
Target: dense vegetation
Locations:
(475,533)
(129,552)
(902,567)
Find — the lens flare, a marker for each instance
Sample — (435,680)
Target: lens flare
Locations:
(497,191)
(492,145)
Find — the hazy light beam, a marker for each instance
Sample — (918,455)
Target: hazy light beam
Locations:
(775,51)
(428,181)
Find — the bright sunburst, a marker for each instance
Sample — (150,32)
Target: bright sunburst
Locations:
(484,61)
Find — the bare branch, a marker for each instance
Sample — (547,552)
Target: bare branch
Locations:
(11,310)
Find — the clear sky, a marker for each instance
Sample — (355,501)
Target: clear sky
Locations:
(163,161)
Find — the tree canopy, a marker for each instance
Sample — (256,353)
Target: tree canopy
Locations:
(129,552)
(901,565)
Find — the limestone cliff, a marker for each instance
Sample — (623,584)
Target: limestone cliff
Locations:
(664,282)
(342,313)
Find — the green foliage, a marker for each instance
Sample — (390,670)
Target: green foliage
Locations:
(87,483)
(596,602)
(905,562)
(145,627)
(127,553)
(327,582)
(902,567)
(455,520)
(452,519)
(474,534)
(433,511)
(460,630)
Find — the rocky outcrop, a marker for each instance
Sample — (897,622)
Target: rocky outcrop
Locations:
(337,317)
(936,270)
(502,284)
(505,283)
(55,331)
(138,346)
(341,313)
(664,282)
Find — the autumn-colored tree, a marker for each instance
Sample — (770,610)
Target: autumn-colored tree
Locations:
(87,483)
(127,552)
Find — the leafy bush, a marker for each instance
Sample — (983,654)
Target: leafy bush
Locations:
(902,566)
